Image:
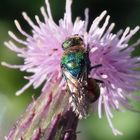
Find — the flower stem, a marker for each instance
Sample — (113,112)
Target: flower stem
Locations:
(64,127)
(49,117)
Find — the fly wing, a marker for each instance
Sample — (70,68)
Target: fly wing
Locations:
(76,88)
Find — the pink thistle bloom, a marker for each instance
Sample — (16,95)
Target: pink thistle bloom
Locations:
(42,54)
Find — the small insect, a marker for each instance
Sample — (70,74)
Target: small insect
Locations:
(75,65)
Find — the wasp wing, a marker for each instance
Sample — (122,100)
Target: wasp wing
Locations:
(76,88)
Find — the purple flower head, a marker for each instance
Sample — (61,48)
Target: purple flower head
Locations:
(42,54)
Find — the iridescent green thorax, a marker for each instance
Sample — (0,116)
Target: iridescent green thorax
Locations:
(74,60)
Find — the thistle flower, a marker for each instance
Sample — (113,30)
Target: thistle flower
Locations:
(42,54)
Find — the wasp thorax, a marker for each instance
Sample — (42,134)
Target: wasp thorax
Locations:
(72,41)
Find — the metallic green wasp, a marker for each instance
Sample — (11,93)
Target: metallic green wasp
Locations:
(75,67)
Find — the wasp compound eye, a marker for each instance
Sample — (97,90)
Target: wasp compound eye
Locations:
(66,44)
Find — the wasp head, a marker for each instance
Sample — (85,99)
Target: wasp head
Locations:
(72,41)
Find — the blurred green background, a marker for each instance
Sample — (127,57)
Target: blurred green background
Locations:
(123,12)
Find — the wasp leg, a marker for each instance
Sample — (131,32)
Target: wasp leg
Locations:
(96,66)
(99,81)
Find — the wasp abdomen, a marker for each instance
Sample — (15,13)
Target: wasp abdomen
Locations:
(93,90)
